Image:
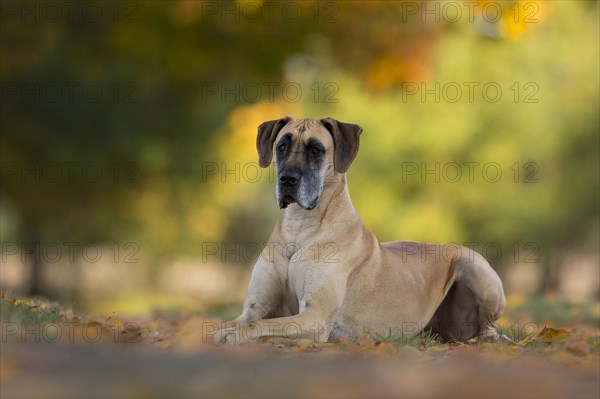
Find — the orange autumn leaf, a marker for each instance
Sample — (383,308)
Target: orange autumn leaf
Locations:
(550,335)
(547,335)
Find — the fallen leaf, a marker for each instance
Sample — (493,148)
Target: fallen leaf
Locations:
(385,348)
(365,340)
(547,335)
(550,335)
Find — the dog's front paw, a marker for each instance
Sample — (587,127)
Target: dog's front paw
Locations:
(339,332)
(226,336)
(488,334)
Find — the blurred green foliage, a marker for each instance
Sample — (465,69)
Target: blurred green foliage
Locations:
(28,311)
(559,312)
(178,113)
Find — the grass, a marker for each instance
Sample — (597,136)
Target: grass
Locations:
(594,344)
(423,339)
(28,311)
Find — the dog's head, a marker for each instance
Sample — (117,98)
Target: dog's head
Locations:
(306,152)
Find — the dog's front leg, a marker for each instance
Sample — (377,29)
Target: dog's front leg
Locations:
(310,326)
(264,294)
(313,323)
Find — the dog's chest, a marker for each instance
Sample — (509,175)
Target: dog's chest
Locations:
(296,281)
(303,274)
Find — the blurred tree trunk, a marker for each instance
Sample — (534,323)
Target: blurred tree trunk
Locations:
(36,283)
(33,252)
(550,274)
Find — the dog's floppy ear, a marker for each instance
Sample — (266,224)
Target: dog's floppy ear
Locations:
(267,132)
(345,142)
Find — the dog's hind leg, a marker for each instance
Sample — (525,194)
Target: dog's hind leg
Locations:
(473,303)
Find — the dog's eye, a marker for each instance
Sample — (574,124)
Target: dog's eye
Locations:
(281,147)
(315,150)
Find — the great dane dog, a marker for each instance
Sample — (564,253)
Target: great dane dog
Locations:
(323,276)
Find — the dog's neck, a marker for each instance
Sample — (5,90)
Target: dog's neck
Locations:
(297,222)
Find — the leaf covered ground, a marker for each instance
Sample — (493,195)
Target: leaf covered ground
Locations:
(49,351)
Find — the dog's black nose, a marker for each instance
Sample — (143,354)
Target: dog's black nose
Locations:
(289,177)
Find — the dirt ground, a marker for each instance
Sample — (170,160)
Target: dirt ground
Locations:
(48,352)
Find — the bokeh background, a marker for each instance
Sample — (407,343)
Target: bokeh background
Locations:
(130,180)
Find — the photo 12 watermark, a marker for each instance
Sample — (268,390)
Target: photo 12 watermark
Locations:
(269,12)
(70,92)
(525,12)
(252,92)
(69,172)
(469,172)
(70,251)
(492,251)
(55,12)
(69,332)
(271,251)
(454,92)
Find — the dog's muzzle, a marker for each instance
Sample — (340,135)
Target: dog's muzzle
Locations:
(289,183)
